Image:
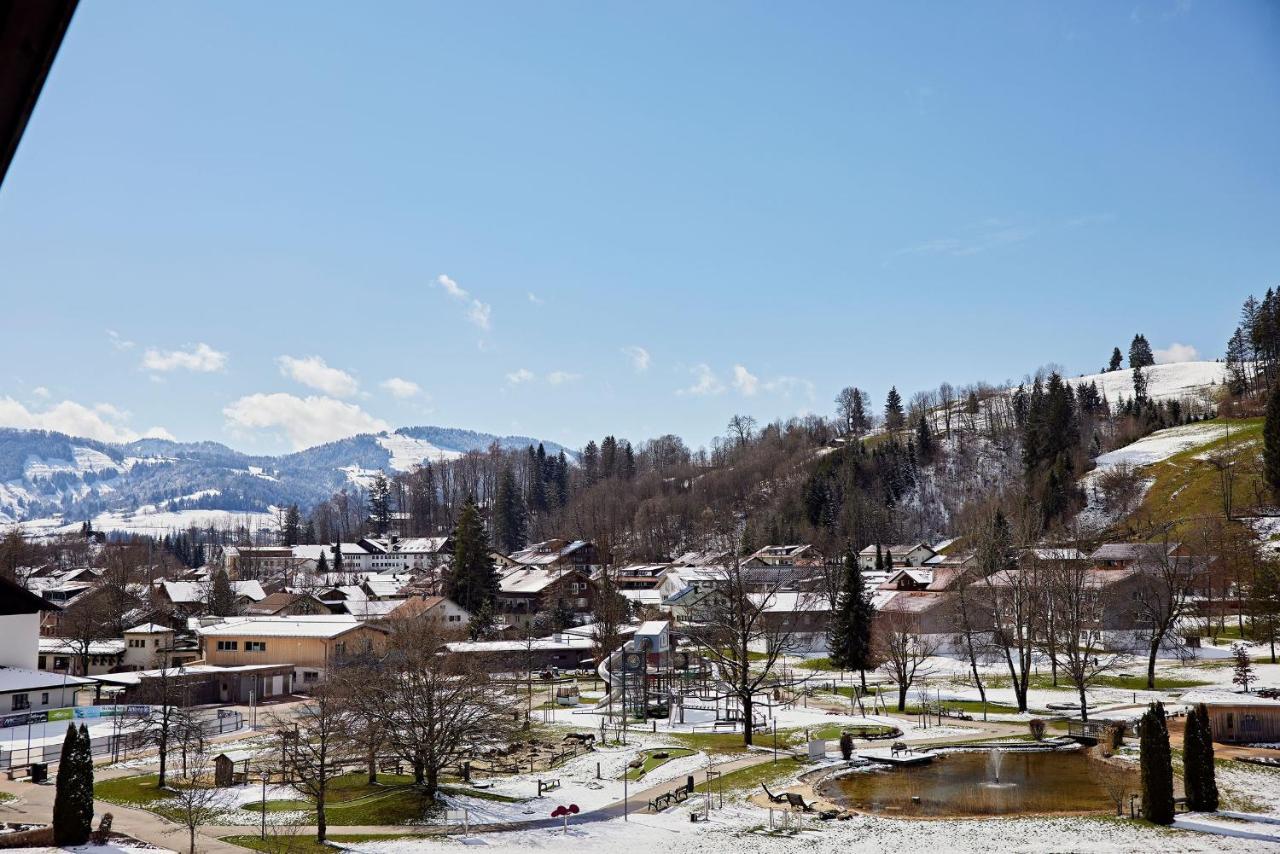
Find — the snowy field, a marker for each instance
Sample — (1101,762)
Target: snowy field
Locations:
(150,519)
(1164,382)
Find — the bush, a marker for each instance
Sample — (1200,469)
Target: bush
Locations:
(846,745)
(1037,728)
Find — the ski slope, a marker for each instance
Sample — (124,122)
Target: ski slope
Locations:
(1164,382)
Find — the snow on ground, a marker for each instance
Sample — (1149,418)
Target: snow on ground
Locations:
(1155,448)
(1164,382)
(407,452)
(149,519)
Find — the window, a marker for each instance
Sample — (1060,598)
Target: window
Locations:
(227,646)
(40,663)
(255,646)
(61,663)
(310,676)
(21,701)
(44,698)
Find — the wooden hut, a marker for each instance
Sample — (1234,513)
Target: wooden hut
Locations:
(1239,718)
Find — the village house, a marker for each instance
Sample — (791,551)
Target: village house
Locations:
(410,554)
(287,604)
(636,576)
(562,651)
(23,687)
(60,655)
(148,645)
(913,554)
(563,554)
(529,590)
(261,563)
(190,598)
(795,555)
(310,644)
(437,609)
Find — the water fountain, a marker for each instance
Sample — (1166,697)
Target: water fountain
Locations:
(993,765)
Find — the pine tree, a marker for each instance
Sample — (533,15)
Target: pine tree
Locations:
(337,557)
(1140,355)
(1242,665)
(380,504)
(507,514)
(924,440)
(1139,386)
(1271,445)
(322,565)
(851,624)
(1157,766)
(291,531)
(309,533)
(591,462)
(64,821)
(473,582)
(222,599)
(893,415)
(1198,772)
(1116,360)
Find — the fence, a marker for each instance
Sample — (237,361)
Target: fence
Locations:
(135,734)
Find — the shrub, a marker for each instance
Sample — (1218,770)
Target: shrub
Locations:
(846,745)
(1037,728)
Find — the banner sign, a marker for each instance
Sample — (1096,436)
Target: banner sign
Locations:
(69,713)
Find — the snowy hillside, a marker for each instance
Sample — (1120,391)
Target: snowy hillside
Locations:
(52,481)
(1164,382)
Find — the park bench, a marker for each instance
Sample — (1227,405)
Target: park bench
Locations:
(899,747)
(666,799)
(777,799)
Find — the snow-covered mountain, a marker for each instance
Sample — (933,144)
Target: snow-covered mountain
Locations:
(1164,382)
(50,480)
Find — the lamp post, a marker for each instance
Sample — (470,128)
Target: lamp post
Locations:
(264,804)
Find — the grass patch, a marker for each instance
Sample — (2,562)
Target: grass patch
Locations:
(306,843)
(831,732)
(138,791)
(652,760)
(745,779)
(483,794)
(816,664)
(714,742)
(1187,488)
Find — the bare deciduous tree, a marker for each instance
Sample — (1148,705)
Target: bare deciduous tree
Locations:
(903,650)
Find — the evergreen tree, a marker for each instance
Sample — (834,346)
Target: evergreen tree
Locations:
(473,581)
(222,599)
(482,623)
(1157,766)
(608,457)
(309,533)
(1139,386)
(1271,445)
(1116,360)
(507,514)
(1242,666)
(880,567)
(291,530)
(82,790)
(322,565)
(591,462)
(1198,773)
(380,504)
(337,557)
(1140,355)
(850,642)
(627,466)
(893,414)
(64,826)
(924,440)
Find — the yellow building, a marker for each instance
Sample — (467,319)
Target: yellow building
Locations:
(311,644)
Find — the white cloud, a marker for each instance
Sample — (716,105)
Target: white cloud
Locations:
(744,381)
(705,382)
(103,422)
(561,377)
(1176,352)
(312,371)
(787,386)
(202,358)
(308,421)
(118,342)
(40,391)
(401,388)
(535,299)
(478,312)
(639,357)
(522,375)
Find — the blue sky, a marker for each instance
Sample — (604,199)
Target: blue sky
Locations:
(231,220)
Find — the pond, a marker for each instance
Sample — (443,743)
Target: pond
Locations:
(964,783)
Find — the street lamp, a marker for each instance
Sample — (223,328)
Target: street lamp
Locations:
(264,804)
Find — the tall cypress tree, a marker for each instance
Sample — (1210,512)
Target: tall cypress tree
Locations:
(851,623)
(473,582)
(1157,766)
(1271,445)
(82,787)
(64,824)
(337,557)
(1198,773)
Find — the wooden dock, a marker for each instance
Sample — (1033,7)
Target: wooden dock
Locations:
(901,758)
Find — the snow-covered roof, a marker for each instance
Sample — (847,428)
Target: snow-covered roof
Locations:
(644,597)
(21,679)
(1058,554)
(547,551)
(133,677)
(898,549)
(530,579)
(313,551)
(1211,697)
(1131,551)
(408,545)
(147,629)
(188,592)
(68,647)
(788,601)
(559,642)
(372,609)
(308,626)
